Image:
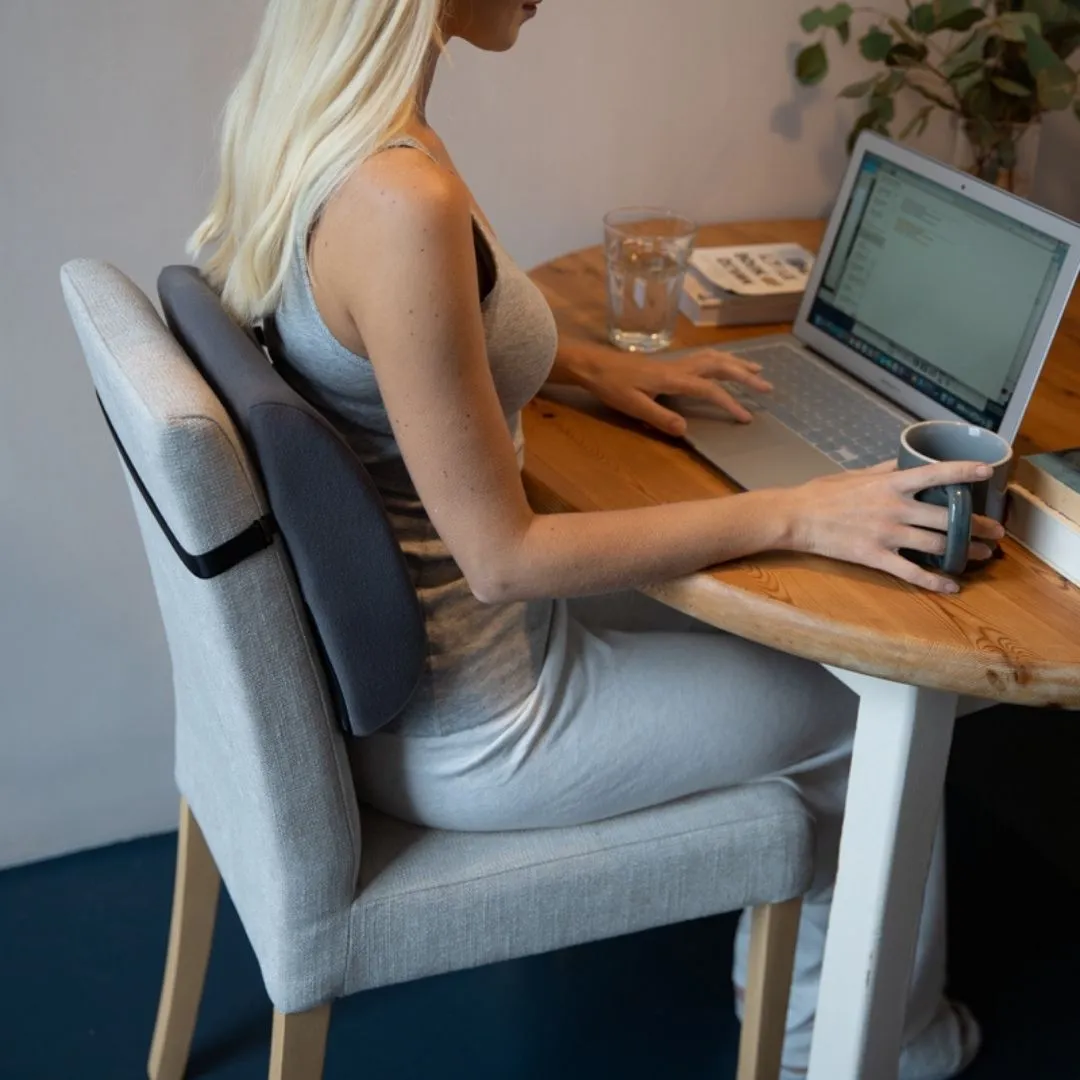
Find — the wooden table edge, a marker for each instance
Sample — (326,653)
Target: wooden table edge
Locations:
(827,641)
(911,661)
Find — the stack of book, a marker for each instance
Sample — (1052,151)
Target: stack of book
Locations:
(755,283)
(1044,509)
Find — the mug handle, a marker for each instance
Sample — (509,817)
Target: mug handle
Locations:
(958,538)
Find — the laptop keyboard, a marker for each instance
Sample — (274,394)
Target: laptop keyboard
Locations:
(848,426)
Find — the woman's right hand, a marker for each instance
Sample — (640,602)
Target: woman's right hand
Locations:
(867,515)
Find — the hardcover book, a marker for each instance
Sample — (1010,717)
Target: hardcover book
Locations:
(1054,479)
(1047,534)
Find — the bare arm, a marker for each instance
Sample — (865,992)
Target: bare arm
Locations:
(416,306)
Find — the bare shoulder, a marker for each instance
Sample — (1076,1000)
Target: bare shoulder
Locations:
(398,194)
(399,221)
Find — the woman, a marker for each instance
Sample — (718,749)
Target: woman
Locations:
(341,214)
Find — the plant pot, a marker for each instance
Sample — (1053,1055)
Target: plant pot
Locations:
(1011,168)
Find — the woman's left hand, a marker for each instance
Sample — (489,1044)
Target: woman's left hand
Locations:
(631,382)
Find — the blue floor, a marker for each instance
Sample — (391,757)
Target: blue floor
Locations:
(82,941)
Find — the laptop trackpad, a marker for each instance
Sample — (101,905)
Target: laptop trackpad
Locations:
(761,454)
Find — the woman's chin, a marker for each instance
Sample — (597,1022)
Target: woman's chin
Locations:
(502,43)
(496,40)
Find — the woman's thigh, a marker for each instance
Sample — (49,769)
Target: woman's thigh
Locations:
(621,719)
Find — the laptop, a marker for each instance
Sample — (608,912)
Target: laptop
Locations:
(934,296)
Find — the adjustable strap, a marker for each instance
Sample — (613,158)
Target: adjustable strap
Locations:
(258,536)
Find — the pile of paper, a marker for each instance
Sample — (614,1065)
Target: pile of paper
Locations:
(755,283)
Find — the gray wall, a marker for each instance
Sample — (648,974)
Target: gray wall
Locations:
(107,111)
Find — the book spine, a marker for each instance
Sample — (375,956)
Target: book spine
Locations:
(1045,533)
(1049,489)
(697,315)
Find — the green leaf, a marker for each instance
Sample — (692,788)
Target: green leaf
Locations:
(949,9)
(1054,79)
(1007,86)
(1057,87)
(903,33)
(964,87)
(922,19)
(1063,39)
(836,15)
(812,20)
(971,48)
(904,55)
(844,30)
(965,69)
(875,45)
(937,99)
(1040,56)
(1013,24)
(1049,11)
(859,89)
(811,65)
(963,21)
(919,120)
(889,84)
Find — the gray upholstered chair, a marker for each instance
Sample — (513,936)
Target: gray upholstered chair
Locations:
(268,802)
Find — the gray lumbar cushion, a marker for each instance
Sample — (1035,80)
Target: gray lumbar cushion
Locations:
(351,571)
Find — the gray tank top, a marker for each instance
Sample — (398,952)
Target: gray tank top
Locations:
(483,659)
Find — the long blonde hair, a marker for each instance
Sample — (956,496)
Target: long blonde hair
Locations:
(329,81)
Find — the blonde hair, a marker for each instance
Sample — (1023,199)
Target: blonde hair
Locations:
(329,81)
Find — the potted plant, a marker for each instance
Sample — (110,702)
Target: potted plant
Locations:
(995,66)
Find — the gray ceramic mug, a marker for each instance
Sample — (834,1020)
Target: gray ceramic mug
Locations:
(955,440)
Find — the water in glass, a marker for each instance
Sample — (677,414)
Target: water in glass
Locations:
(647,252)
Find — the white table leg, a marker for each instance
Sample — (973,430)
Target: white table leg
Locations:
(893,806)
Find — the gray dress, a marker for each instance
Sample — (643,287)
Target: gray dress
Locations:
(556,713)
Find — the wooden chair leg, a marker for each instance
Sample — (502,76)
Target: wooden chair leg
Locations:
(195,901)
(773,932)
(298,1047)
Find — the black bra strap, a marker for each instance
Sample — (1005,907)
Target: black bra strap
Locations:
(258,536)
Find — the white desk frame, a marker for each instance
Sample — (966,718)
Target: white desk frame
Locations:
(899,759)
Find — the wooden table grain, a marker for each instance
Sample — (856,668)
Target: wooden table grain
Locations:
(1012,634)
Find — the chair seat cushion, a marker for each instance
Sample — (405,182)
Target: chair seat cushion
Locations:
(432,901)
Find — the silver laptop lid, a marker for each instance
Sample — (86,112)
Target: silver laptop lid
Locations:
(940,291)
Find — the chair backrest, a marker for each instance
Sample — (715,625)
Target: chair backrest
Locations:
(364,608)
(259,755)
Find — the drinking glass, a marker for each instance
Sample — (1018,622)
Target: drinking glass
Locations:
(647,249)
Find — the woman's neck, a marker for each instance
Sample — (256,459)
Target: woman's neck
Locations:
(427,79)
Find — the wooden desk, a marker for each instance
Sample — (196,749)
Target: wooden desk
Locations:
(1012,634)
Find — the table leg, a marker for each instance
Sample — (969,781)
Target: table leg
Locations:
(898,765)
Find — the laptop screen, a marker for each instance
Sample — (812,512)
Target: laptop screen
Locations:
(942,292)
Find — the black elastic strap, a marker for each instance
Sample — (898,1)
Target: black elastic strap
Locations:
(258,536)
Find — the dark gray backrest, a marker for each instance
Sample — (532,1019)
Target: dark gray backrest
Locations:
(352,573)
